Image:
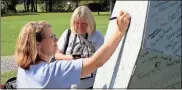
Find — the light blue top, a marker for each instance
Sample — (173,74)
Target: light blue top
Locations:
(58,74)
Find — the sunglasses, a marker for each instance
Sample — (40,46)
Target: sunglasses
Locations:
(53,36)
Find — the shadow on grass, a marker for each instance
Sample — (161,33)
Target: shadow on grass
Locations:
(18,14)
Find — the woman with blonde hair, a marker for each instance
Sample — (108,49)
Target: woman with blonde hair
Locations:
(80,41)
(35,46)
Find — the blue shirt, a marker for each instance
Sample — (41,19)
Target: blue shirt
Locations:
(58,74)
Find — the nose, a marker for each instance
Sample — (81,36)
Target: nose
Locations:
(80,25)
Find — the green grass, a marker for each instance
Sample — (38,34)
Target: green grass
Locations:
(11,25)
(5,76)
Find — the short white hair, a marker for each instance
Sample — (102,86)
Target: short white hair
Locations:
(85,13)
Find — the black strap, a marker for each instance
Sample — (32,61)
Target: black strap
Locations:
(86,36)
(10,83)
(90,87)
(88,77)
(67,41)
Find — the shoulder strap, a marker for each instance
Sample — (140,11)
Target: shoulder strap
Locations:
(10,83)
(67,41)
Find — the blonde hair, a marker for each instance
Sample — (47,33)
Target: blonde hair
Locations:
(85,13)
(26,46)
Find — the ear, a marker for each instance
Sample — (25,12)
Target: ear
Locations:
(38,45)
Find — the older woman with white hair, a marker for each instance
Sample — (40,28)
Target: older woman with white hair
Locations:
(81,41)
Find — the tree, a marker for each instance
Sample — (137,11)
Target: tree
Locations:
(27,5)
(77,2)
(95,7)
(46,5)
(24,2)
(50,5)
(11,4)
(33,4)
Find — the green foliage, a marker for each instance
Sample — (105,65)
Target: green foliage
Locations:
(9,5)
(4,8)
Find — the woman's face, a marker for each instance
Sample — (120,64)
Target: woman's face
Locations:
(80,26)
(48,44)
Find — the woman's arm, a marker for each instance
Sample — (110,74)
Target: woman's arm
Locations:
(107,49)
(60,56)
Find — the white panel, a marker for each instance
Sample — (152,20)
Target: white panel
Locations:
(117,71)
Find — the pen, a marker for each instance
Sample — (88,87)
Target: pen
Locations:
(113,18)
(116,18)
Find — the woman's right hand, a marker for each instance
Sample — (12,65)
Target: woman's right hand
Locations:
(60,56)
(123,21)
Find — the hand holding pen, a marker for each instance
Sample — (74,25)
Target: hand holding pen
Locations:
(122,21)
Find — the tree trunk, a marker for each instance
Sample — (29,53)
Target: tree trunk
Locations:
(13,4)
(98,8)
(28,3)
(32,5)
(24,2)
(14,8)
(50,5)
(45,1)
(35,5)
(77,3)
(7,2)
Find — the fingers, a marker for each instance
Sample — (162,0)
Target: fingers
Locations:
(125,14)
(121,13)
(123,17)
(127,17)
(123,20)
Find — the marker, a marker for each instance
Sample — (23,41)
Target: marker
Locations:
(116,18)
(113,18)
